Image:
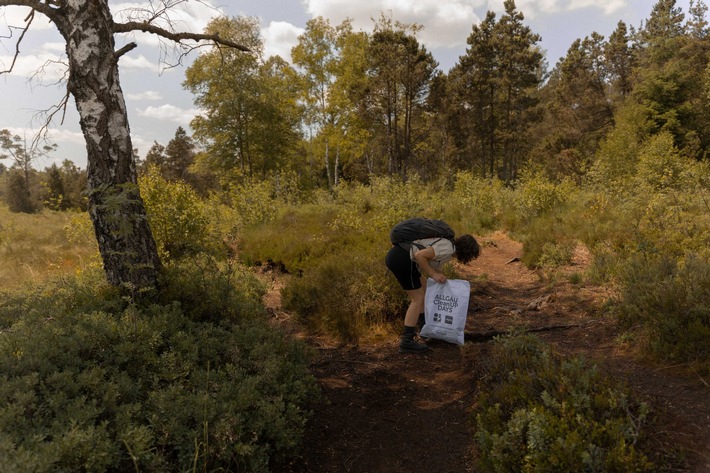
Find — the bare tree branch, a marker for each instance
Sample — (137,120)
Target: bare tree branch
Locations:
(125,49)
(28,22)
(48,116)
(176,37)
(47,7)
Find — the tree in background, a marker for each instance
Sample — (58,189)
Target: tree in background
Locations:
(519,75)
(315,57)
(173,161)
(400,71)
(54,188)
(619,59)
(155,157)
(180,155)
(74,181)
(495,83)
(15,148)
(354,130)
(578,110)
(249,127)
(472,106)
(668,80)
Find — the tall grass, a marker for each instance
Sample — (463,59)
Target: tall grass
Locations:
(37,247)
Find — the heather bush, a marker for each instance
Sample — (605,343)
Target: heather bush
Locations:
(345,295)
(537,411)
(103,384)
(536,195)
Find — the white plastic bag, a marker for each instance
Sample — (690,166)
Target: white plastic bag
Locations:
(445,310)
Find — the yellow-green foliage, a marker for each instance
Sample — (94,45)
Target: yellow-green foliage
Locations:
(254,202)
(481,203)
(618,153)
(176,214)
(536,195)
(338,281)
(537,411)
(384,202)
(672,194)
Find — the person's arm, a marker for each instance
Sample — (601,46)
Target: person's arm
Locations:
(422,257)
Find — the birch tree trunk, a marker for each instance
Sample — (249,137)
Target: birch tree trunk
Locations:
(126,244)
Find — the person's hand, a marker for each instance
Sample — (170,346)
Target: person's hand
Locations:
(439,277)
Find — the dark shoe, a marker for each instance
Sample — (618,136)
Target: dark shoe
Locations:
(409,345)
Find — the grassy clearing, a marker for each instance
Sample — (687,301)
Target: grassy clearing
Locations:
(37,247)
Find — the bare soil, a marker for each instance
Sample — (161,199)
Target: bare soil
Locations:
(382,411)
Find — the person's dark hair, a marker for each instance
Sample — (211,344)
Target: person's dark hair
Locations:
(467,248)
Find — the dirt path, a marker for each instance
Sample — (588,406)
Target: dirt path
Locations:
(386,412)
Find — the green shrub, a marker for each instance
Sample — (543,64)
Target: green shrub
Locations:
(144,388)
(483,202)
(213,290)
(177,216)
(539,412)
(671,299)
(345,295)
(536,195)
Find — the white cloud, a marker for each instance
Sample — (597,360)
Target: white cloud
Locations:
(186,16)
(279,38)
(535,8)
(15,16)
(55,47)
(141,62)
(447,23)
(609,7)
(145,95)
(59,135)
(44,68)
(169,112)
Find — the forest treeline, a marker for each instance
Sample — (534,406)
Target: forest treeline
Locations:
(353,105)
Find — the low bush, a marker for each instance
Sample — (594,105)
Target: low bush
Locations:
(482,203)
(670,298)
(212,290)
(346,295)
(115,386)
(537,411)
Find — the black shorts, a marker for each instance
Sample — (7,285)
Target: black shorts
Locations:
(403,268)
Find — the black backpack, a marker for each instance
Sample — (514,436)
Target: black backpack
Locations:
(405,232)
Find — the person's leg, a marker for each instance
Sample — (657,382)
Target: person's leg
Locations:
(421,321)
(409,277)
(416,307)
(407,343)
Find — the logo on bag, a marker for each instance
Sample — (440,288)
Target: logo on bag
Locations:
(446,303)
(437,317)
(449,319)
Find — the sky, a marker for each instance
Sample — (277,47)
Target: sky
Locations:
(157,103)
